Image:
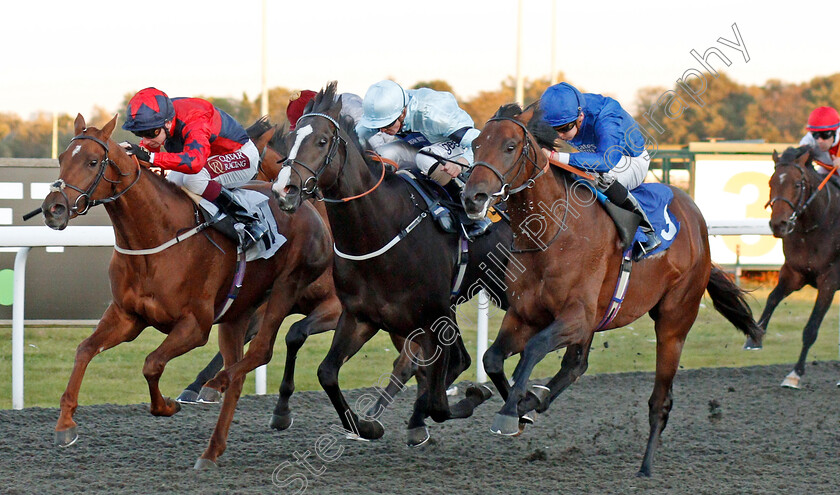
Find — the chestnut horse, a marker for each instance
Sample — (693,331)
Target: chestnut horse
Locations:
(803,215)
(179,290)
(571,271)
(325,318)
(396,268)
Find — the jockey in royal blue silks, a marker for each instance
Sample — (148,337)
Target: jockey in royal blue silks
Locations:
(609,143)
(204,149)
(439,132)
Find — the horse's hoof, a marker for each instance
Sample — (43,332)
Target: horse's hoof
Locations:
(792,380)
(751,345)
(66,438)
(528,418)
(282,422)
(479,394)
(416,437)
(642,474)
(505,425)
(209,396)
(370,430)
(188,397)
(203,464)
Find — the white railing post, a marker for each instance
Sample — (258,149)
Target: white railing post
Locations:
(259,380)
(17,327)
(481,337)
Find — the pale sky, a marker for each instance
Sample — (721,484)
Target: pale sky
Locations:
(72,56)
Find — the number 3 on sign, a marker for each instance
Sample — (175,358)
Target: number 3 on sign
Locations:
(736,185)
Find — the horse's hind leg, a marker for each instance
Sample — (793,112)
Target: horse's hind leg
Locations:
(231,343)
(186,335)
(789,281)
(114,328)
(350,336)
(825,294)
(323,318)
(404,369)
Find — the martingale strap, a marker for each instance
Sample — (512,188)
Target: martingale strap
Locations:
(620,289)
(384,249)
(238,277)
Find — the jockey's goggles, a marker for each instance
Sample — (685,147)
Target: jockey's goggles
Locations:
(148,133)
(566,127)
(823,134)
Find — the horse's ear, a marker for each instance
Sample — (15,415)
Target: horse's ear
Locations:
(775,157)
(527,115)
(79,124)
(109,127)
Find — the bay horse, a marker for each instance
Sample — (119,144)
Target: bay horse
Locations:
(571,271)
(396,268)
(266,137)
(802,216)
(180,289)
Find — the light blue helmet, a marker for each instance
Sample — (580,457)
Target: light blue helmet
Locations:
(384,102)
(561,104)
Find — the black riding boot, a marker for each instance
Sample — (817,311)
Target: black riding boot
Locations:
(253,230)
(620,196)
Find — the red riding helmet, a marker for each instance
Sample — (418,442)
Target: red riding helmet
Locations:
(823,119)
(150,108)
(296,105)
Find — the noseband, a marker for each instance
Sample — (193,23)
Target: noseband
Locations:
(310,186)
(524,157)
(59,185)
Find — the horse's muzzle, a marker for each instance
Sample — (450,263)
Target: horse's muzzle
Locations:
(288,198)
(56,214)
(476,205)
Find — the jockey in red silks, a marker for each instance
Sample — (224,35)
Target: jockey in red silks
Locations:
(823,138)
(204,149)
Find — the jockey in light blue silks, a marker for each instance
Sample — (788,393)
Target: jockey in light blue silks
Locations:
(609,144)
(427,121)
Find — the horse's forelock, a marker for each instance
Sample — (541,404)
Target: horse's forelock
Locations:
(259,127)
(542,130)
(508,111)
(325,100)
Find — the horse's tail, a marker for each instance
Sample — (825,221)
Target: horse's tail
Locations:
(729,301)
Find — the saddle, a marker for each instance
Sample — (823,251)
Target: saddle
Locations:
(447,213)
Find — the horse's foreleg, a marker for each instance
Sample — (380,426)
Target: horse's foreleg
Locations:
(825,294)
(350,336)
(262,345)
(114,328)
(322,319)
(511,339)
(231,343)
(186,335)
(789,281)
(552,337)
(192,392)
(574,365)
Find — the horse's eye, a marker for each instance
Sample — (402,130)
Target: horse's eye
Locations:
(510,148)
(322,142)
(93,163)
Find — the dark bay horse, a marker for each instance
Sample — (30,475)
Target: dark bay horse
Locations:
(803,216)
(571,270)
(179,290)
(397,269)
(324,318)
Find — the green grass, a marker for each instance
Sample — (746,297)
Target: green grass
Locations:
(115,376)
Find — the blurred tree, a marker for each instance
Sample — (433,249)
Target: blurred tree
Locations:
(435,84)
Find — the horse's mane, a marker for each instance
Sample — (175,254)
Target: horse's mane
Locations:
(326,102)
(791,154)
(259,128)
(542,131)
